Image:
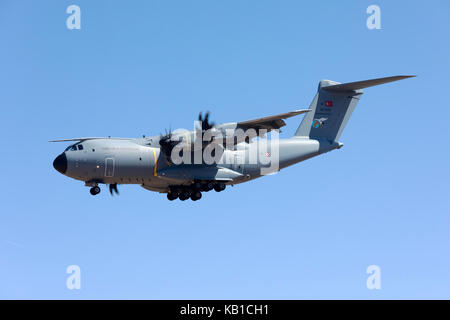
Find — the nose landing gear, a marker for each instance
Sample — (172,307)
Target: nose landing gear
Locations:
(95,190)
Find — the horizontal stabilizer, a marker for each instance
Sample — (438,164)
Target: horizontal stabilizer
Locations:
(352,86)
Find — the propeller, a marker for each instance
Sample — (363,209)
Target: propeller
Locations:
(113,189)
(167,144)
(206,125)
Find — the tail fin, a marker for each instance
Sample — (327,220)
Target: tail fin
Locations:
(332,107)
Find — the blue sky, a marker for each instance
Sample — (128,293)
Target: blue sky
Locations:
(309,231)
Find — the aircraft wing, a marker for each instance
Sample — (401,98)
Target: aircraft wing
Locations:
(271,122)
(88,138)
(255,128)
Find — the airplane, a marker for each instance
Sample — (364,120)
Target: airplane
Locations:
(236,154)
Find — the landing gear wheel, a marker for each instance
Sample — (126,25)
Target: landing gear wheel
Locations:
(197,186)
(95,190)
(172,196)
(184,196)
(196,196)
(208,186)
(219,187)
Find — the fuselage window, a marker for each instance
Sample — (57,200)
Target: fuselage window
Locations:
(73,148)
(80,147)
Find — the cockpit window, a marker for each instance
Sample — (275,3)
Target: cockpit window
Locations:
(74,147)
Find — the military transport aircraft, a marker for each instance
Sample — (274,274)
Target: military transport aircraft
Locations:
(183,163)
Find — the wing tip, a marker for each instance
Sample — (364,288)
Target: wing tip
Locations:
(405,76)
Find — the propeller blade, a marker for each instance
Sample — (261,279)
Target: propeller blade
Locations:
(206,125)
(167,143)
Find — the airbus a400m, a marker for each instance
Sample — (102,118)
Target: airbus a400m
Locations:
(169,164)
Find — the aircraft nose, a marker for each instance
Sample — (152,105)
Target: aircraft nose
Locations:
(60,163)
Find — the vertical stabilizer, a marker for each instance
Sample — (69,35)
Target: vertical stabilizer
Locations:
(332,107)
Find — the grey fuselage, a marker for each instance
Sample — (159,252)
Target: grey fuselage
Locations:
(140,161)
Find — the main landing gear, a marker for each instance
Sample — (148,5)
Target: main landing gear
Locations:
(95,190)
(219,187)
(193,191)
(183,195)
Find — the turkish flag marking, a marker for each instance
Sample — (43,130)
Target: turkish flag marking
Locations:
(328,103)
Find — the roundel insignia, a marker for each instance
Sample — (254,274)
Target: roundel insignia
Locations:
(317,123)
